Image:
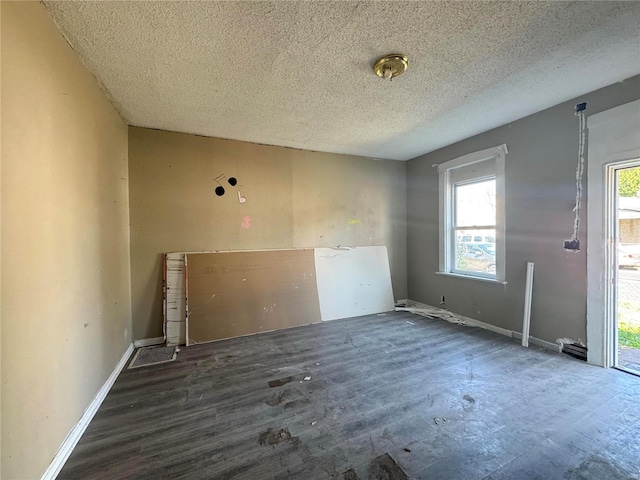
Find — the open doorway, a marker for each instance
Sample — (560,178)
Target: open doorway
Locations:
(627,263)
(614,144)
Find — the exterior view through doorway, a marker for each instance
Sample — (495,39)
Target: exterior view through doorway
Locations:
(614,145)
(626,292)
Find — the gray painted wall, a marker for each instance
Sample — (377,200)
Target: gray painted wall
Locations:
(540,196)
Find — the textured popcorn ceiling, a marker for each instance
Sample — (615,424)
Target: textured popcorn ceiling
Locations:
(298,74)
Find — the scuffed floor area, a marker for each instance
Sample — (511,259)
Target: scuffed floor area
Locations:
(390,396)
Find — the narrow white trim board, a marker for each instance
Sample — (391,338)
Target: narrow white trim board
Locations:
(353,281)
(526,321)
(69,443)
(148,342)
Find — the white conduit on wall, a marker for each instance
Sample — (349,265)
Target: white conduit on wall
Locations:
(573,244)
(526,320)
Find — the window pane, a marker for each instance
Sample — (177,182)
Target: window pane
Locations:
(475,251)
(475,203)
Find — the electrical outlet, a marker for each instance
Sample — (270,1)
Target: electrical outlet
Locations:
(572,245)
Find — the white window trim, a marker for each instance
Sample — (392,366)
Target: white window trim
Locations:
(446,212)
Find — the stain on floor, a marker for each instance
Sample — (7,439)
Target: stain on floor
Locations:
(598,467)
(297,403)
(383,467)
(350,475)
(270,437)
(275,399)
(280,381)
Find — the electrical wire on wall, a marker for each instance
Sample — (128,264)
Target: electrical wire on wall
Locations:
(573,244)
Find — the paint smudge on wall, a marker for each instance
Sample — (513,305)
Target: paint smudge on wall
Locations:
(245,222)
(353,221)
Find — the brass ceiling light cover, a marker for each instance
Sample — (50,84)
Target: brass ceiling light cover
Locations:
(391,66)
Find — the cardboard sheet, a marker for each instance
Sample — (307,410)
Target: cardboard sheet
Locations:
(238,293)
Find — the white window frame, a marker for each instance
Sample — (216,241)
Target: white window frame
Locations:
(447,209)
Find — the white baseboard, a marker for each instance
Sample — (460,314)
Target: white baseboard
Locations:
(539,342)
(76,432)
(487,326)
(147,342)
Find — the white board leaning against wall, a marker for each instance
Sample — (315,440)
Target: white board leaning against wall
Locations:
(353,281)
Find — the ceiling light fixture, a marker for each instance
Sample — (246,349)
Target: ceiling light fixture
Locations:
(391,66)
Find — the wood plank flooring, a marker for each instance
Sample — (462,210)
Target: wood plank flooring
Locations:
(390,396)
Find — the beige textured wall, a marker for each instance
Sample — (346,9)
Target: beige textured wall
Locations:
(66,308)
(294,198)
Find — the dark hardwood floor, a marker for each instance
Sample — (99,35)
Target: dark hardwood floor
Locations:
(383,397)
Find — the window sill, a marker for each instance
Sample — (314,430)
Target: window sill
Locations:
(469,277)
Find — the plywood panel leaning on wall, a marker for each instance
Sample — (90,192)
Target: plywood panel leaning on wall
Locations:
(238,293)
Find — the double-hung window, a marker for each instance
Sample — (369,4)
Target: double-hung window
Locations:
(472,215)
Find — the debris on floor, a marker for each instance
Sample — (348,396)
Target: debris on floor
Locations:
(433,312)
(571,347)
(440,420)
